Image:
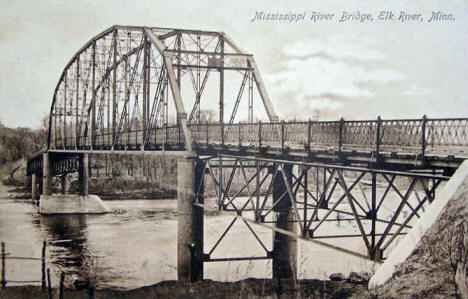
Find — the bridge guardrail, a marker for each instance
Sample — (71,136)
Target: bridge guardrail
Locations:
(417,136)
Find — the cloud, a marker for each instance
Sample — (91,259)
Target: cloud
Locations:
(415,91)
(325,103)
(333,48)
(314,74)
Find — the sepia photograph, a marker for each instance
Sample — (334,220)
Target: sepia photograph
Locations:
(221,149)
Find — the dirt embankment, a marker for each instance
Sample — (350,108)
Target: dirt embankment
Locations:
(430,271)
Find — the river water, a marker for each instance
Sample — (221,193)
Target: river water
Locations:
(135,245)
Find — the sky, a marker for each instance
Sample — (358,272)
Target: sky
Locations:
(352,69)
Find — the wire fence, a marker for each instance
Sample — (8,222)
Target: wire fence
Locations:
(45,280)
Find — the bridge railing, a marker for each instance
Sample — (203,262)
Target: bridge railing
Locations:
(416,136)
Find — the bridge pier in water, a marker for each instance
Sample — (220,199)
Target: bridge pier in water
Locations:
(64,184)
(284,246)
(34,183)
(66,203)
(83,168)
(46,174)
(190,189)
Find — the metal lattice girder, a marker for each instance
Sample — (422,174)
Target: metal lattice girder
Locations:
(375,205)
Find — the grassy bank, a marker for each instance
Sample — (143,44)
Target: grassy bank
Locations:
(124,188)
(248,288)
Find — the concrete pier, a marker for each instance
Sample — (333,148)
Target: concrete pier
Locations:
(190,180)
(82,203)
(64,184)
(46,174)
(83,174)
(72,204)
(284,246)
(34,193)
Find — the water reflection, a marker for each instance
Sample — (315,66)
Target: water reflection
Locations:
(68,246)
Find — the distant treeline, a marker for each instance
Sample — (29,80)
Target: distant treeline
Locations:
(19,143)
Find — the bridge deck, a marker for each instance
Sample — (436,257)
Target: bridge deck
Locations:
(440,142)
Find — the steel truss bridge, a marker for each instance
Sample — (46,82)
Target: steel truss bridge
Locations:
(142,90)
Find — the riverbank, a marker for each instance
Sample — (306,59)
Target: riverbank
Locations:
(247,288)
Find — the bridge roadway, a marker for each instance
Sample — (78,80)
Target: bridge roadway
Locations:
(394,144)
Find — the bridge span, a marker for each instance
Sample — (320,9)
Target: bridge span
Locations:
(126,92)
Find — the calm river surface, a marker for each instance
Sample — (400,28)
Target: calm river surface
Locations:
(135,245)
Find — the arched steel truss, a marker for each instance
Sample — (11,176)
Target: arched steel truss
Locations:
(130,79)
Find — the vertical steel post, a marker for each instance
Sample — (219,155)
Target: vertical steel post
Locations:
(221,81)
(309,136)
(77,101)
(282,135)
(378,138)
(306,184)
(340,140)
(257,192)
(259,134)
(250,95)
(423,136)
(114,90)
(65,83)
(220,179)
(373,215)
(145,88)
(43,268)
(284,246)
(107,139)
(93,101)
(324,189)
(56,113)
(222,134)
(46,174)
(190,182)
(179,58)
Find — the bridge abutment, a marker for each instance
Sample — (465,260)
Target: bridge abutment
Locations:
(284,246)
(190,183)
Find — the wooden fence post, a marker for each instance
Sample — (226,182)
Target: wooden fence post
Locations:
(62,278)
(49,284)
(3,265)
(44,244)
